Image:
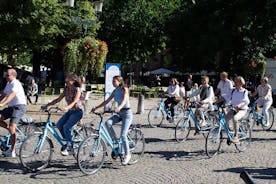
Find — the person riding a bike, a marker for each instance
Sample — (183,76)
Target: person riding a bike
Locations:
(239,100)
(173,93)
(122,113)
(264,92)
(206,99)
(13,96)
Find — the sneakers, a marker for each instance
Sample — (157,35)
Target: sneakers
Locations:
(235,140)
(65,150)
(10,153)
(266,124)
(202,123)
(171,120)
(127,159)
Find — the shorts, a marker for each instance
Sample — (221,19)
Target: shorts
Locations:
(15,113)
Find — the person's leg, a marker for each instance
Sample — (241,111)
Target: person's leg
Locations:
(240,114)
(126,122)
(265,112)
(62,121)
(229,116)
(17,114)
(75,116)
(29,99)
(36,97)
(109,123)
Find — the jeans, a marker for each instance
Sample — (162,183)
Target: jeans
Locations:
(67,121)
(126,117)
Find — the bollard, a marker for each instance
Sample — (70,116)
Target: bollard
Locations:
(140,108)
(246,177)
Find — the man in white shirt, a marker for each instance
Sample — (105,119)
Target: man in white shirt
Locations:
(13,96)
(224,87)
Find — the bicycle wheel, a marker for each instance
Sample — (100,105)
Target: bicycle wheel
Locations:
(155,117)
(271,120)
(22,133)
(244,136)
(179,111)
(182,129)
(136,144)
(35,152)
(252,121)
(91,154)
(213,141)
(79,134)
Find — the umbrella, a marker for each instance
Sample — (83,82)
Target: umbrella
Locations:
(162,71)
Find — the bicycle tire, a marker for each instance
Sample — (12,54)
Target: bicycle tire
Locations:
(179,111)
(213,142)
(30,158)
(91,154)
(155,117)
(271,118)
(182,129)
(244,136)
(79,135)
(136,144)
(21,136)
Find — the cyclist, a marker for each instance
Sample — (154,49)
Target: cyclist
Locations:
(206,98)
(74,110)
(123,113)
(239,100)
(173,97)
(14,96)
(224,87)
(264,92)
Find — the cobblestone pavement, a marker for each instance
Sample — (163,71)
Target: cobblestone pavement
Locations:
(165,160)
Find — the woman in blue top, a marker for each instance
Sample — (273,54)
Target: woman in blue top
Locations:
(73,110)
(123,113)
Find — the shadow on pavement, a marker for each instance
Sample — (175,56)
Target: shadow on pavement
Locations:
(177,154)
(256,173)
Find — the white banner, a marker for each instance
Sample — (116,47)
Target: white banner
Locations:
(111,70)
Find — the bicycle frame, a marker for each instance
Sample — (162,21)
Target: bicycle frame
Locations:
(7,138)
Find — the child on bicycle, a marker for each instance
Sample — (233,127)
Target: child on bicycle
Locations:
(73,110)
(123,113)
(206,98)
(173,97)
(264,92)
(239,100)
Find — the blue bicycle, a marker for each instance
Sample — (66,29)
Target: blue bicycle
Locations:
(37,149)
(184,125)
(157,114)
(25,127)
(215,136)
(93,150)
(256,118)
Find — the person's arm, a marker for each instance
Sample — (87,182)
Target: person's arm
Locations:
(3,95)
(61,96)
(244,101)
(104,102)
(35,89)
(7,99)
(269,91)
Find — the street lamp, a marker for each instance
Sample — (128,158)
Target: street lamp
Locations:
(85,24)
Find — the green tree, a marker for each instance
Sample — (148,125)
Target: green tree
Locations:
(134,29)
